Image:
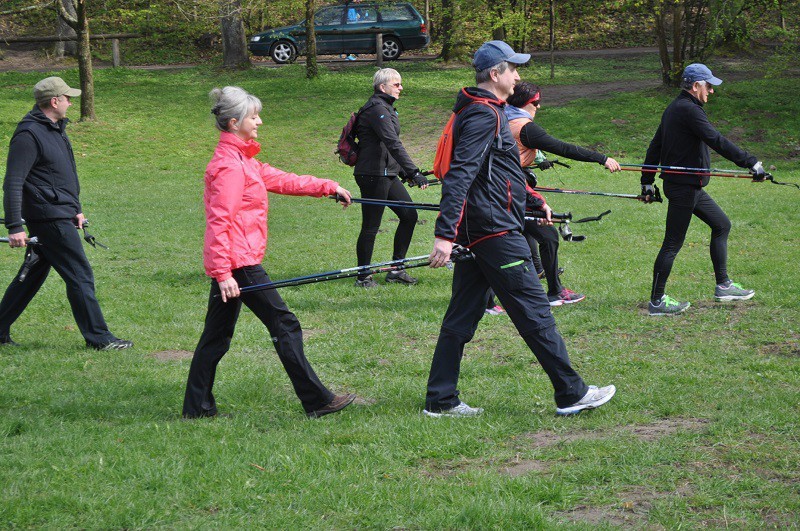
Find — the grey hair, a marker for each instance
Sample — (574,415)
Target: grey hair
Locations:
(687,85)
(230,103)
(482,76)
(383,76)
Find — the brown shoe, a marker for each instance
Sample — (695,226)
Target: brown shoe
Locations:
(338,403)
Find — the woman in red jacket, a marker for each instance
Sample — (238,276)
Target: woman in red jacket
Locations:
(236,203)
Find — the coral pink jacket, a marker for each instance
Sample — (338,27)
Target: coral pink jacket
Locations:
(236,186)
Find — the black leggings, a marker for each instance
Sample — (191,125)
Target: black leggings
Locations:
(684,201)
(546,236)
(383,188)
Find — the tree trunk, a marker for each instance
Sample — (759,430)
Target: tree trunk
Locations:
(447,30)
(552,39)
(234,43)
(677,43)
(63,29)
(80,23)
(661,38)
(499,31)
(311,41)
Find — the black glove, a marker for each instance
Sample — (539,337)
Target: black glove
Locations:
(648,191)
(759,175)
(418,179)
(545,165)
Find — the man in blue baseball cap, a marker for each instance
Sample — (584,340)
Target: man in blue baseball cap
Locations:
(683,139)
(483,208)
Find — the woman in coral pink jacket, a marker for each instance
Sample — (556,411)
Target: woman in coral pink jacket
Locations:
(236,202)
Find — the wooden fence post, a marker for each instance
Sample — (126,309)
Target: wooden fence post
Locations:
(115,53)
(379,50)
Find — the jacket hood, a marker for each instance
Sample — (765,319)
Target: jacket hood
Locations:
(37,116)
(471,94)
(514,113)
(248,148)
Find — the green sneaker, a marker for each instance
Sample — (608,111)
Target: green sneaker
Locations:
(667,306)
(731,291)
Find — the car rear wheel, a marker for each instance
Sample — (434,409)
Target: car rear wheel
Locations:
(391,48)
(283,52)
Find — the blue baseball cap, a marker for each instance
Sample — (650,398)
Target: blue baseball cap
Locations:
(495,52)
(699,72)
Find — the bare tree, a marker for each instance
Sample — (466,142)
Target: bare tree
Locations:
(234,42)
(671,67)
(80,23)
(552,39)
(447,30)
(63,30)
(311,41)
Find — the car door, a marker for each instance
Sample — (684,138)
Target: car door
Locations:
(360,16)
(327,19)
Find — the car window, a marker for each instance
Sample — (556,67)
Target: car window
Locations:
(328,15)
(359,14)
(395,12)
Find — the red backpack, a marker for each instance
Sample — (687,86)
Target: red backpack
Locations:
(444,148)
(347,147)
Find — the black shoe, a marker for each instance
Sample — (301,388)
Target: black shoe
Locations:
(6,340)
(401,277)
(208,415)
(338,403)
(114,344)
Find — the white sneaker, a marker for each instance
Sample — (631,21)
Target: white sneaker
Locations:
(594,397)
(461,410)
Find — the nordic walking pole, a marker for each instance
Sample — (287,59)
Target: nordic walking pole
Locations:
(656,197)
(459,254)
(390,203)
(703,172)
(28,241)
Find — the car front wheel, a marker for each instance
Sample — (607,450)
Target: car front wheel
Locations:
(391,48)
(283,52)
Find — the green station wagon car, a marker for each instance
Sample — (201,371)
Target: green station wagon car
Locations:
(404,29)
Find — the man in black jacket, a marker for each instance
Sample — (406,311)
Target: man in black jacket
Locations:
(682,140)
(41,191)
(381,159)
(483,208)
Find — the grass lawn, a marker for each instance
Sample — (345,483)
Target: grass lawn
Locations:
(703,430)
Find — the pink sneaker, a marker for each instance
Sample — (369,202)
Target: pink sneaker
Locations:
(496,310)
(567,296)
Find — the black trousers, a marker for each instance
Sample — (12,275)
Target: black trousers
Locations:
(684,202)
(504,264)
(62,249)
(546,238)
(376,187)
(283,326)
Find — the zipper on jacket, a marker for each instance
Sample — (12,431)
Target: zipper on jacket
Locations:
(508,185)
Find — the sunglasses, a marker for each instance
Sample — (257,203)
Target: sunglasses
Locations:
(535,102)
(396,85)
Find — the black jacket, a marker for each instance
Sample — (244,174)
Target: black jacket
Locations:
(380,151)
(683,139)
(483,193)
(533,135)
(41,182)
